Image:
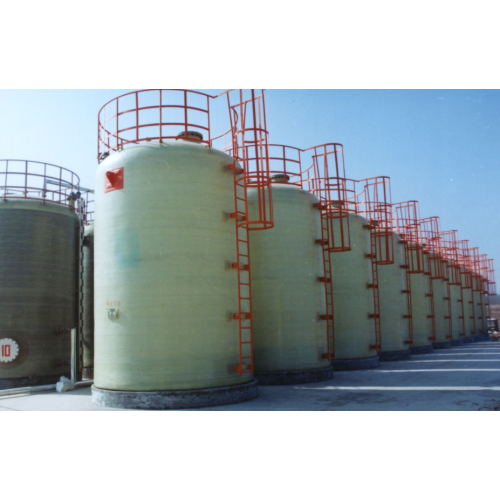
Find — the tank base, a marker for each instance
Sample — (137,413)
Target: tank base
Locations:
(17,383)
(469,340)
(456,343)
(481,338)
(394,355)
(346,365)
(175,400)
(441,345)
(426,349)
(294,377)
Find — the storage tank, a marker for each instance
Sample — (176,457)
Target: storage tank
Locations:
(165,293)
(393,306)
(171,291)
(450,252)
(478,307)
(353,301)
(456,315)
(441,312)
(422,310)
(290,339)
(39,231)
(88,302)
(467,305)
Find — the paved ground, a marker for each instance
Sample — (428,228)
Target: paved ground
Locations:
(465,378)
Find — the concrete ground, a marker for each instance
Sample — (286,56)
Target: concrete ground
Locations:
(465,378)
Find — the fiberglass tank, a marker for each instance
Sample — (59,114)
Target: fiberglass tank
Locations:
(88,302)
(456,305)
(165,292)
(478,308)
(353,301)
(421,310)
(467,306)
(290,340)
(393,307)
(38,291)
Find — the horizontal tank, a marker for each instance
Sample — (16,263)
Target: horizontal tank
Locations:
(393,306)
(290,340)
(38,290)
(353,301)
(165,289)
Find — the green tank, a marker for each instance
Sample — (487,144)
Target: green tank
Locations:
(88,302)
(393,307)
(38,291)
(290,339)
(353,301)
(166,293)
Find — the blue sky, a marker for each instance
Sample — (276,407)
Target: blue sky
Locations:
(439,147)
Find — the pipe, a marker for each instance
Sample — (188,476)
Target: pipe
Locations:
(74,355)
(40,388)
(65,184)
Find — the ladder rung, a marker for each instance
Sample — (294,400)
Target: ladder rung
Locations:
(242,315)
(237,266)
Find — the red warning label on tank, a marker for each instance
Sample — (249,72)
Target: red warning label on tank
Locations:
(113,180)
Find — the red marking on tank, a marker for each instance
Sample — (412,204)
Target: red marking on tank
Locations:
(5,351)
(113,180)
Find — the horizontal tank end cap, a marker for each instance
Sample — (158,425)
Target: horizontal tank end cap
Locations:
(190,136)
(280,178)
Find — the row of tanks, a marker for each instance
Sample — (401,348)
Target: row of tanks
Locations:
(215,269)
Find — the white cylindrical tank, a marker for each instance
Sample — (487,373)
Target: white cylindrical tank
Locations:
(456,304)
(478,307)
(421,311)
(393,306)
(290,339)
(441,313)
(467,307)
(165,290)
(353,302)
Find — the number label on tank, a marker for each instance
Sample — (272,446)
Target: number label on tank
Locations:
(9,350)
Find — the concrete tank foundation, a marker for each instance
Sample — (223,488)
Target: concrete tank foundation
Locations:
(175,400)
(345,365)
(456,343)
(394,356)
(427,349)
(294,377)
(441,345)
(469,340)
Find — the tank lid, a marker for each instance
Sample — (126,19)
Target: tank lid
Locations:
(280,178)
(190,136)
